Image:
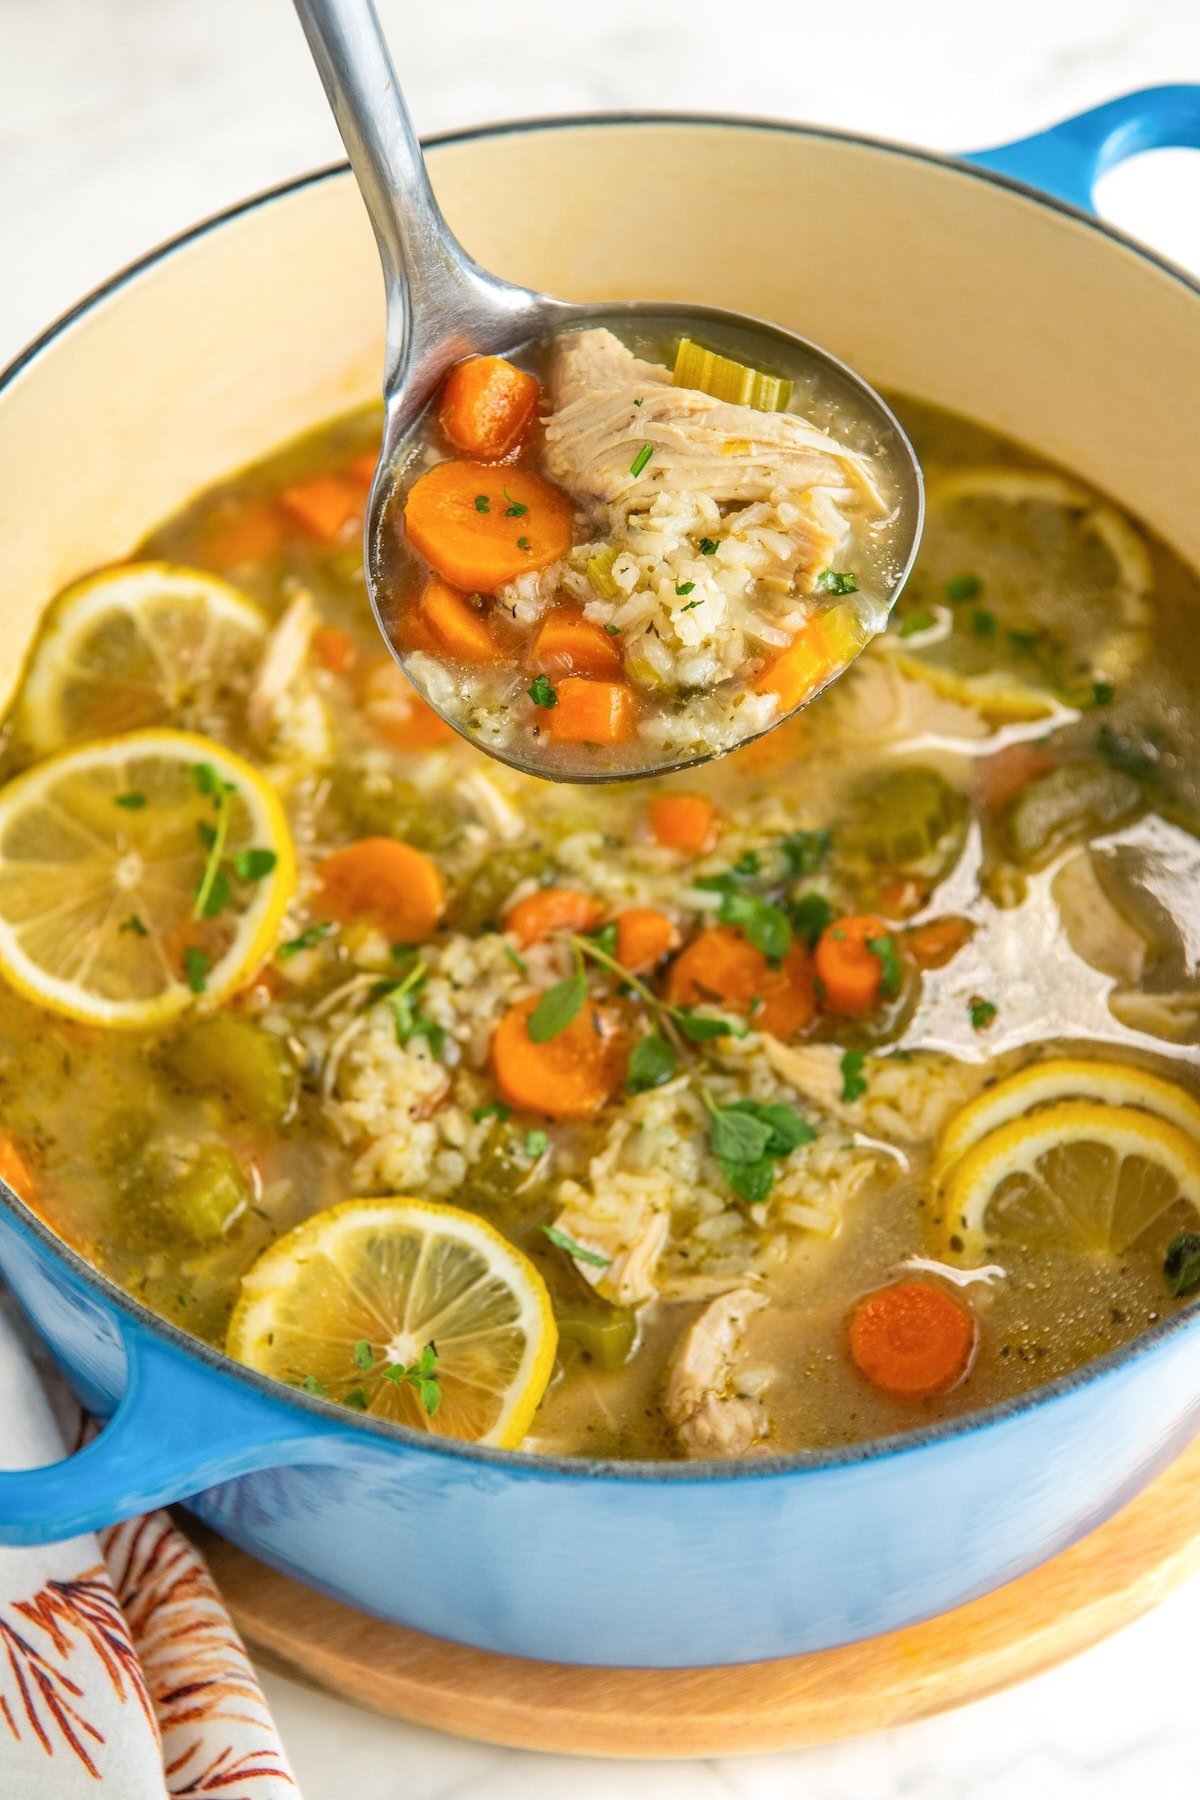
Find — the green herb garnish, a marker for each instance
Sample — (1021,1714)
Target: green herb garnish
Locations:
(920,620)
(1102,693)
(983,623)
(410,1021)
(307,939)
(748,1137)
(196,964)
(889,962)
(837,581)
(805,851)
(811,913)
(132,802)
(420,1375)
(542,691)
(854,1084)
(1181,1266)
(364,1356)
(981,1012)
(615,630)
(683,588)
(134,924)
(652,1062)
(482,503)
(518,962)
(311,1385)
(692,605)
(522,543)
(253,865)
(514,509)
(558,1007)
(561,1241)
(536,1142)
(964,587)
(709,546)
(495,1109)
(641,459)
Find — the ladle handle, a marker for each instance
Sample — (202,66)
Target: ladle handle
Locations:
(439,303)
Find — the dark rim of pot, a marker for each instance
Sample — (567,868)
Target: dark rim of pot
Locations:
(581,1468)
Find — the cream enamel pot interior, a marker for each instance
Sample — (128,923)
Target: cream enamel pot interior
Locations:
(933,278)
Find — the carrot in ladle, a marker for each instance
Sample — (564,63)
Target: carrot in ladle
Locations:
(486,405)
(480,526)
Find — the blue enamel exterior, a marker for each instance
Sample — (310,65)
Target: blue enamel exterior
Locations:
(654,1565)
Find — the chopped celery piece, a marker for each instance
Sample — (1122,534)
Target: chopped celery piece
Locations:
(1074,800)
(207,1197)
(237,1059)
(599,573)
(480,905)
(606,1334)
(726,379)
(901,818)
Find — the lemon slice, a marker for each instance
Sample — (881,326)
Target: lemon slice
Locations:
(1089,1177)
(1049,592)
(364,1288)
(103,854)
(145,644)
(1063,1078)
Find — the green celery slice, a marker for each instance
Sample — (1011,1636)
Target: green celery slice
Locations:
(725,379)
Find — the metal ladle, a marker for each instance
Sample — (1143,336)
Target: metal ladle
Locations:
(442,306)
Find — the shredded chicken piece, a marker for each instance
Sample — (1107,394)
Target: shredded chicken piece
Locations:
(814,1070)
(1095,929)
(283,659)
(498,816)
(731,454)
(701,1399)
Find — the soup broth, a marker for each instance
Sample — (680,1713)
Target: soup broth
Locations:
(903,996)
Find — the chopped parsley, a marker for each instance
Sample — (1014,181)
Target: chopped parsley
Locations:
(1181,1267)
(536,1142)
(1102,693)
(805,851)
(884,948)
(212,889)
(196,964)
(364,1356)
(410,1021)
(357,1399)
(692,605)
(854,1084)
(542,692)
(495,1109)
(964,587)
(558,1007)
(837,581)
(522,543)
(132,802)
(514,509)
(641,459)
(253,865)
(421,1375)
(307,940)
(811,913)
(134,924)
(615,630)
(561,1241)
(702,1027)
(920,620)
(311,1385)
(652,1062)
(709,546)
(482,503)
(606,937)
(981,1011)
(983,623)
(683,588)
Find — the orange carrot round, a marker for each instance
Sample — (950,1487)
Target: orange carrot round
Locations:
(15,1169)
(486,404)
(720,967)
(396,712)
(456,624)
(851,975)
(570,1076)
(460,519)
(931,946)
(912,1339)
(380,881)
(686,822)
(334,649)
(324,505)
(552,909)
(568,644)
(644,937)
(591,712)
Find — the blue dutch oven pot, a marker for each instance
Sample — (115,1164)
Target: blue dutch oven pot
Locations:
(639,1564)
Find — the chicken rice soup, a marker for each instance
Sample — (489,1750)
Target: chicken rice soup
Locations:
(845,1085)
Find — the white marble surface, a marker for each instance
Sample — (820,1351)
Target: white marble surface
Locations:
(122,121)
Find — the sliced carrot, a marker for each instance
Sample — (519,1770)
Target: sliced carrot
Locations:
(323,505)
(248,534)
(1002,776)
(552,909)
(334,649)
(912,1339)
(361,468)
(380,881)
(570,1076)
(851,975)
(686,822)
(592,712)
(396,712)
(931,946)
(644,937)
(459,518)
(15,1169)
(568,644)
(720,966)
(486,405)
(456,624)
(818,649)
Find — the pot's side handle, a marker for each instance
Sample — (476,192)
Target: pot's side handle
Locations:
(178,1428)
(1069,159)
